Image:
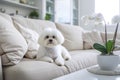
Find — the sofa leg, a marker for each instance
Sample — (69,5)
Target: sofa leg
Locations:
(1,73)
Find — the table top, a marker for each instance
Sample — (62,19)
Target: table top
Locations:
(85,75)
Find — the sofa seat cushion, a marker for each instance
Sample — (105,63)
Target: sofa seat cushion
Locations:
(38,70)
(34,70)
(81,59)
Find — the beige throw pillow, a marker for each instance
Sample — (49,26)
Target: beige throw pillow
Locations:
(12,42)
(73,36)
(32,40)
(91,37)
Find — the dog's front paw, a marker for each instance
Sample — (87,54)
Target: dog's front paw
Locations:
(50,61)
(47,59)
(67,57)
(59,61)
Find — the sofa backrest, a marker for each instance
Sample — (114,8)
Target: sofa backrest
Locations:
(72,40)
(34,24)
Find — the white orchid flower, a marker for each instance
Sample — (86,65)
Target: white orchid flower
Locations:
(96,19)
(116,19)
(85,20)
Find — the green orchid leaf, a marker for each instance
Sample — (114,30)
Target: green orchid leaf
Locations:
(100,48)
(110,46)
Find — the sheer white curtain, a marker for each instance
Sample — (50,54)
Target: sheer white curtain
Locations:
(108,8)
(63,11)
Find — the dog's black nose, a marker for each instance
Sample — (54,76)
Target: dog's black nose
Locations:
(50,40)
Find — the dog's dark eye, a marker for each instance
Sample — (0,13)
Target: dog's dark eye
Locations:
(47,37)
(53,36)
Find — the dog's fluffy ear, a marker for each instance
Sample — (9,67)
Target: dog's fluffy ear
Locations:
(60,37)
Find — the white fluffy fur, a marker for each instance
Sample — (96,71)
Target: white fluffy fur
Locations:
(51,49)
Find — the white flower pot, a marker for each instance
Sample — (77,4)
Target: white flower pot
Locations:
(108,62)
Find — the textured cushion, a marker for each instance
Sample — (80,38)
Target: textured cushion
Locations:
(32,40)
(91,37)
(34,70)
(12,43)
(73,36)
(81,59)
(34,24)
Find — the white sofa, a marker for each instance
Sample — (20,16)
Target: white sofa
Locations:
(31,69)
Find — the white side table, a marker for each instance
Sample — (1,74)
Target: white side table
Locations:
(85,75)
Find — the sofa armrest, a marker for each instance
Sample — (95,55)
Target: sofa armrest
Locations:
(1,73)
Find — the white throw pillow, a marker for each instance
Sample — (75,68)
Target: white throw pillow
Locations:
(31,38)
(91,37)
(73,36)
(12,42)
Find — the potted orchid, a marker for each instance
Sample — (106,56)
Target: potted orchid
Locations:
(107,60)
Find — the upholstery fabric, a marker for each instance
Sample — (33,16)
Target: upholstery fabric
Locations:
(12,42)
(81,59)
(73,36)
(91,37)
(32,40)
(34,70)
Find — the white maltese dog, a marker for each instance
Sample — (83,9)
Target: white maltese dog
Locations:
(50,47)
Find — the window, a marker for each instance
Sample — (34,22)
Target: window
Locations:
(108,8)
(63,11)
